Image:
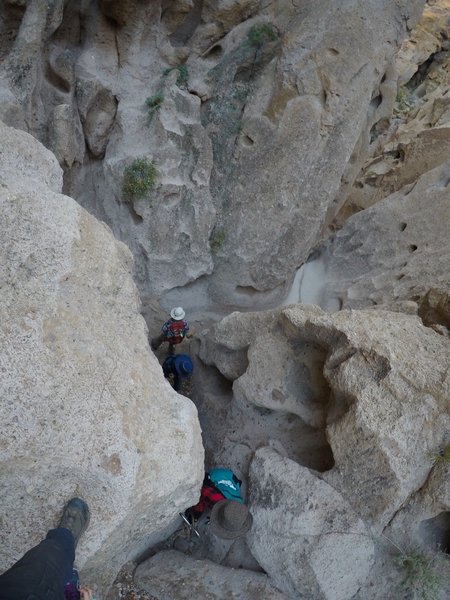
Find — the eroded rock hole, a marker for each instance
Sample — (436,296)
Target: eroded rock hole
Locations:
(435,532)
(402,226)
(214,52)
(412,248)
(375,102)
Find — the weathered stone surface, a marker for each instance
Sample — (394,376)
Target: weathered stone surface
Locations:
(274,392)
(98,107)
(391,406)
(387,375)
(384,385)
(84,402)
(261,94)
(306,535)
(66,138)
(399,249)
(172,575)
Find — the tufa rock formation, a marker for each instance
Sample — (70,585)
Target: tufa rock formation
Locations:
(84,401)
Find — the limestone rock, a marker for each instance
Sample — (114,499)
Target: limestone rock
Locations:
(260,94)
(376,381)
(390,408)
(171,575)
(381,389)
(66,138)
(305,534)
(97,106)
(84,402)
(399,249)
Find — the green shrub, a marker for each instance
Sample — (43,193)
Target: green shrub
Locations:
(442,457)
(183,74)
(154,103)
(422,576)
(403,103)
(138,178)
(217,240)
(260,34)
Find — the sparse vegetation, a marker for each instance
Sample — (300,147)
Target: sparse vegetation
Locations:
(422,576)
(183,74)
(154,103)
(138,178)
(403,103)
(260,34)
(217,240)
(442,457)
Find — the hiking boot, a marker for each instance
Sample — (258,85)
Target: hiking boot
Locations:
(75,517)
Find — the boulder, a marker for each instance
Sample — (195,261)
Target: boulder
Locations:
(66,138)
(390,408)
(398,249)
(171,575)
(375,381)
(84,401)
(305,534)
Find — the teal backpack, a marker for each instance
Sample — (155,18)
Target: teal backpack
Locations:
(226,482)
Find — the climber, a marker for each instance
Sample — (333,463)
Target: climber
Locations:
(173,331)
(44,571)
(178,365)
(218,484)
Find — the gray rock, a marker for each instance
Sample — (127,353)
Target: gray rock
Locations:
(171,575)
(398,248)
(66,138)
(84,402)
(306,535)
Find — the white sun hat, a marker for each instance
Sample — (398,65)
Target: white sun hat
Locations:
(177,313)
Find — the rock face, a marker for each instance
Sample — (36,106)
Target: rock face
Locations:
(399,249)
(84,402)
(399,246)
(376,384)
(171,575)
(255,117)
(305,534)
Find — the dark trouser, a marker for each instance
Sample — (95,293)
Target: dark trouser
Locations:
(157,341)
(169,369)
(43,571)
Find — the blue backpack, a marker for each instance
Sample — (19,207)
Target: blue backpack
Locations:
(226,482)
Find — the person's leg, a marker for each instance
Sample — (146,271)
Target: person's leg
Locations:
(156,342)
(176,382)
(43,571)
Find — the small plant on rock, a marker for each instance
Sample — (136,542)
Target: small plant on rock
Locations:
(442,457)
(403,103)
(154,103)
(183,74)
(217,240)
(138,178)
(422,575)
(260,34)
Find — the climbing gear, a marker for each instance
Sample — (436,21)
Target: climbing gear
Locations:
(175,332)
(177,313)
(230,519)
(190,525)
(226,482)
(75,517)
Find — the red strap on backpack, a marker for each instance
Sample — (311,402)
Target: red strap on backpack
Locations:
(177,332)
